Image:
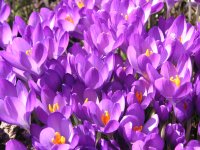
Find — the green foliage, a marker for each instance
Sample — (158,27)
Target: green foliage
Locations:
(24,8)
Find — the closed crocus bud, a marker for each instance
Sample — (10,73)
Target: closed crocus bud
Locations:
(162,107)
(175,134)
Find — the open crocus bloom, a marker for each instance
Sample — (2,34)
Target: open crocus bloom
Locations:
(56,135)
(25,57)
(173,82)
(132,125)
(105,115)
(16,106)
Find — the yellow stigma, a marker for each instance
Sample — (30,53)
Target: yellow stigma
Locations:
(138,96)
(69,19)
(105,117)
(176,80)
(126,17)
(28,52)
(180,39)
(86,100)
(58,139)
(148,52)
(80,4)
(138,128)
(53,108)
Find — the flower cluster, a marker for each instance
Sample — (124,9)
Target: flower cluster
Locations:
(89,75)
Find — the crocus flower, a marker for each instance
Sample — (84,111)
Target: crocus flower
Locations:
(93,70)
(175,81)
(17,108)
(68,18)
(25,57)
(141,92)
(175,134)
(132,125)
(52,102)
(56,135)
(162,107)
(105,115)
(183,109)
(148,52)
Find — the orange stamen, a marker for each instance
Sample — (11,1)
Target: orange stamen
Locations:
(58,139)
(105,117)
(139,96)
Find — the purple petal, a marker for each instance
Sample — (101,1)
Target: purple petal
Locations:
(165,87)
(183,90)
(112,126)
(168,70)
(92,78)
(14,145)
(151,124)
(152,73)
(7,89)
(116,112)
(46,136)
(39,53)
(37,35)
(5,12)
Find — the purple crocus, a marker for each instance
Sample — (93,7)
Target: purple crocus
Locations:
(148,52)
(56,135)
(132,125)
(93,70)
(175,81)
(17,105)
(25,57)
(141,92)
(183,109)
(105,115)
(68,18)
(162,107)
(52,102)
(175,134)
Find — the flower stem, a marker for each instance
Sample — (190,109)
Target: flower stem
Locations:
(189,125)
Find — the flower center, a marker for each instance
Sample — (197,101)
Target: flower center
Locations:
(58,139)
(138,96)
(53,108)
(69,19)
(86,100)
(176,80)
(126,17)
(105,117)
(148,52)
(80,4)
(180,39)
(28,52)
(137,128)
